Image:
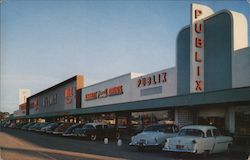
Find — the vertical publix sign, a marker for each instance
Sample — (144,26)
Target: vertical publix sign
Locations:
(198,13)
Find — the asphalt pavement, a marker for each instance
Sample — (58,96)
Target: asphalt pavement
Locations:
(17,144)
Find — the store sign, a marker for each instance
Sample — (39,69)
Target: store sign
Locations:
(35,103)
(117,90)
(152,80)
(50,100)
(198,13)
(68,95)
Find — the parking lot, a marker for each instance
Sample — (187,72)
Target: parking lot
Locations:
(18,144)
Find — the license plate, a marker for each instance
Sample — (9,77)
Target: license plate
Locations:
(179,146)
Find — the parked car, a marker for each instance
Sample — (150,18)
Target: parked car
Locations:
(39,127)
(20,125)
(45,128)
(33,127)
(52,127)
(61,128)
(6,124)
(199,139)
(154,136)
(26,126)
(97,130)
(71,130)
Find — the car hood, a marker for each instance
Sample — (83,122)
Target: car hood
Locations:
(151,136)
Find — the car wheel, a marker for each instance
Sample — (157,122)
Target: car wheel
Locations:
(93,137)
(117,135)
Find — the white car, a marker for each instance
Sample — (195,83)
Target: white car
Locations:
(153,136)
(198,139)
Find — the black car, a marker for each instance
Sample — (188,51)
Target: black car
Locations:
(26,126)
(71,130)
(97,130)
(52,127)
(20,125)
(39,127)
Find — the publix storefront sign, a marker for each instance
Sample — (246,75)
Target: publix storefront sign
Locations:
(198,13)
(107,92)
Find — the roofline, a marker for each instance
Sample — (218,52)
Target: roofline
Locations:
(55,86)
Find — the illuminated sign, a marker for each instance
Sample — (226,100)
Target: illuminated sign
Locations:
(198,13)
(117,90)
(152,80)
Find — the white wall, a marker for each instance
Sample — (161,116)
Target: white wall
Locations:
(123,81)
(169,88)
(131,91)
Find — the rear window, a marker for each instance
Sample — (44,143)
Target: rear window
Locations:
(191,132)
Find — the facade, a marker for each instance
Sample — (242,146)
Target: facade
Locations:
(209,85)
(59,98)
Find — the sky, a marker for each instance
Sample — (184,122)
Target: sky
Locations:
(44,42)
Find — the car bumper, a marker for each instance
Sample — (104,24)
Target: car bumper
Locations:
(57,132)
(67,135)
(179,150)
(144,145)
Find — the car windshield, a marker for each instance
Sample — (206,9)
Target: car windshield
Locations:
(158,128)
(87,126)
(191,132)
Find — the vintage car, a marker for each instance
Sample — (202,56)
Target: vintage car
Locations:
(199,139)
(94,131)
(71,130)
(154,136)
(62,127)
(52,127)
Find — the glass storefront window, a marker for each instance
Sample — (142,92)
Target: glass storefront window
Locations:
(108,118)
(242,121)
(140,120)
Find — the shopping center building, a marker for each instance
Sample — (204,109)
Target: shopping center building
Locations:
(210,84)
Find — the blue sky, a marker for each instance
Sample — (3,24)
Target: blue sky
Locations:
(44,42)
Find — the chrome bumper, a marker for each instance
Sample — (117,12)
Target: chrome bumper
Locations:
(179,150)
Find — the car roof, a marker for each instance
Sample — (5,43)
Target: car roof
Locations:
(199,127)
(95,124)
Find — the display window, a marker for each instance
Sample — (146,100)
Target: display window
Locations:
(140,120)
(242,121)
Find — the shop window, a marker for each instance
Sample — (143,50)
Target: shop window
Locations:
(218,122)
(140,120)
(242,121)
(216,132)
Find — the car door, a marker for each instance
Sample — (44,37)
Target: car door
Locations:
(220,143)
(99,130)
(209,141)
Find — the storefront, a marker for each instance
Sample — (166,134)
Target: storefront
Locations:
(209,85)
